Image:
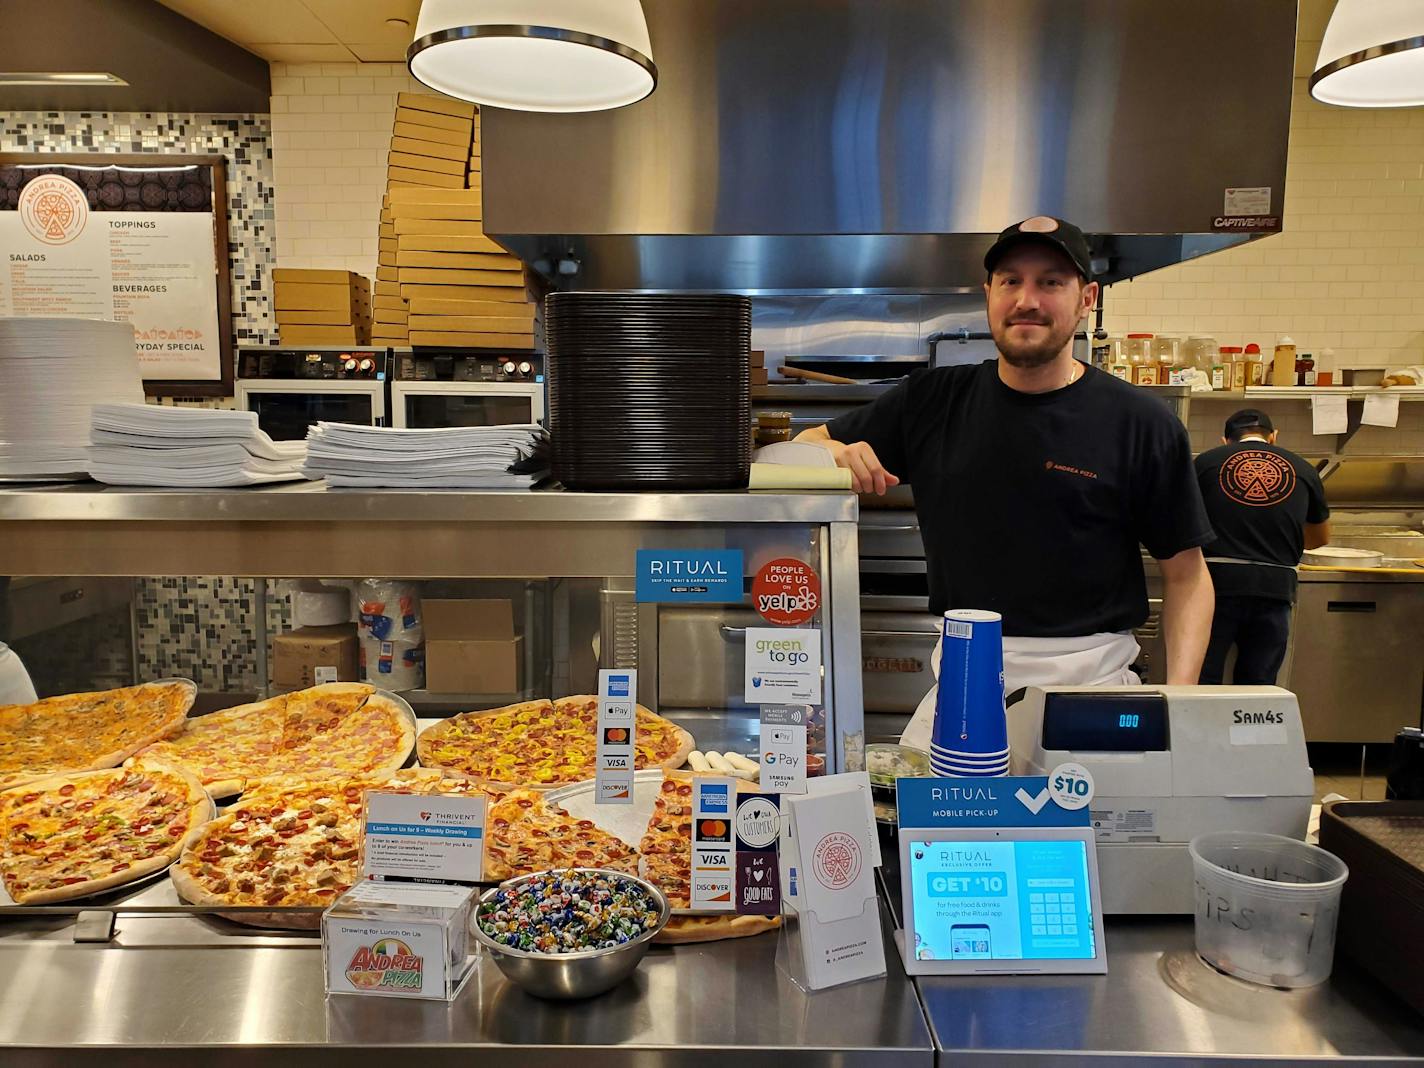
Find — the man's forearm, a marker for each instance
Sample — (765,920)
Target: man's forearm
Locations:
(1188,602)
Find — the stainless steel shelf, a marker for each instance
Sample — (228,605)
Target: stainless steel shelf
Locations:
(313,502)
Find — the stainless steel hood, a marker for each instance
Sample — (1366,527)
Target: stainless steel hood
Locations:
(877,145)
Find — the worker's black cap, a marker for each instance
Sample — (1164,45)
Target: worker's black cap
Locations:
(1247,419)
(1044,230)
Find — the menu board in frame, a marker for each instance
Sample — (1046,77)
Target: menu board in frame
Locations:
(140,238)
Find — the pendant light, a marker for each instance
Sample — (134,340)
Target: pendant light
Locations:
(535,55)
(1372,55)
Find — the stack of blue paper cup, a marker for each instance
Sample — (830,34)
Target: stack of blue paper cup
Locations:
(971,734)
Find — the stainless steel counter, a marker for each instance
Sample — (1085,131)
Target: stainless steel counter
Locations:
(157,1000)
(1160,1004)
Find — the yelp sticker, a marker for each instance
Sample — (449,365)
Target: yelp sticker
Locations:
(786,592)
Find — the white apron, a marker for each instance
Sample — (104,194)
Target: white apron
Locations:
(15,685)
(1092,660)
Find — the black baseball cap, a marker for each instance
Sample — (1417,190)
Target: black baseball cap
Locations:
(1044,230)
(1247,419)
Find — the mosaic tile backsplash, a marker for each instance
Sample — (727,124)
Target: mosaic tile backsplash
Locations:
(246,141)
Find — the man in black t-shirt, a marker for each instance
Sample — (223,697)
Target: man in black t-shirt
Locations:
(1266,505)
(1037,478)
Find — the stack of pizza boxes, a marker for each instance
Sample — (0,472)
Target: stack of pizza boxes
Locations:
(322,307)
(441,281)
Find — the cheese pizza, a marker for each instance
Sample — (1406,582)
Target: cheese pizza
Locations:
(69,836)
(88,731)
(335,729)
(543,744)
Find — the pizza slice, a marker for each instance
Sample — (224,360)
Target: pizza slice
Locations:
(88,731)
(225,749)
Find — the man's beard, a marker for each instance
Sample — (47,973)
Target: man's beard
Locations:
(1029,354)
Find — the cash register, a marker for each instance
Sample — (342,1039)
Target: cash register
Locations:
(1169,763)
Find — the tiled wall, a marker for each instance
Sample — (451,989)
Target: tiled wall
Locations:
(331,133)
(1348,271)
(244,139)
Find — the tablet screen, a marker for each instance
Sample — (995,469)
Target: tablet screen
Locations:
(983,900)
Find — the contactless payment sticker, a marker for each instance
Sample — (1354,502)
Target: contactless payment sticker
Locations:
(617,733)
(783,748)
(712,842)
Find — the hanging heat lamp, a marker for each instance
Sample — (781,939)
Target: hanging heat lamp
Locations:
(1372,55)
(535,55)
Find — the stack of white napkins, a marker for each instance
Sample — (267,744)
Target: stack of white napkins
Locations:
(148,445)
(514,456)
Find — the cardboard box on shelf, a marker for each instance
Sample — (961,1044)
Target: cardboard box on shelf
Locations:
(425,163)
(298,655)
(439,105)
(321,335)
(408,178)
(406,226)
(415,131)
(457,339)
(420,146)
(446,276)
(447,243)
(499,308)
(470,646)
(424,291)
(482,324)
(485,261)
(293,296)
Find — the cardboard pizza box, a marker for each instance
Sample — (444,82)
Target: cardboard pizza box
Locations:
(478,324)
(312,297)
(418,131)
(320,335)
(420,291)
(439,105)
(448,243)
(468,339)
(411,161)
(420,146)
(449,227)
(483,261)
(314,317)
(443,276)
(447,306)
(312,276)
(391,315)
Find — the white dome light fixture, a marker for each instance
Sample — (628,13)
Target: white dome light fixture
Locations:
(535,55)
(1372,55)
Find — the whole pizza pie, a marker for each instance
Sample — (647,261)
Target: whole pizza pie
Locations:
(69,836)
(293,842)
(88,731)
(543,744)
(335,729)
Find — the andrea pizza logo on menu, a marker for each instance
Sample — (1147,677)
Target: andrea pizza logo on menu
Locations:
(53,209)
(786,592)
(836,860)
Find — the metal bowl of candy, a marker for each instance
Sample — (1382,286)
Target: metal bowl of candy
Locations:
(569,933)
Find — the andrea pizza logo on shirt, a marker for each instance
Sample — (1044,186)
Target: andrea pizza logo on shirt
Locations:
(1257,478)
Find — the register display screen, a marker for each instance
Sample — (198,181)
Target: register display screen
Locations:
(986,900)
(1105,723)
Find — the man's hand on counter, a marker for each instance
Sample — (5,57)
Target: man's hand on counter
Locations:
(867,473)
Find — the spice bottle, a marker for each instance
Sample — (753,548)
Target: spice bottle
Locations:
(1283,365)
